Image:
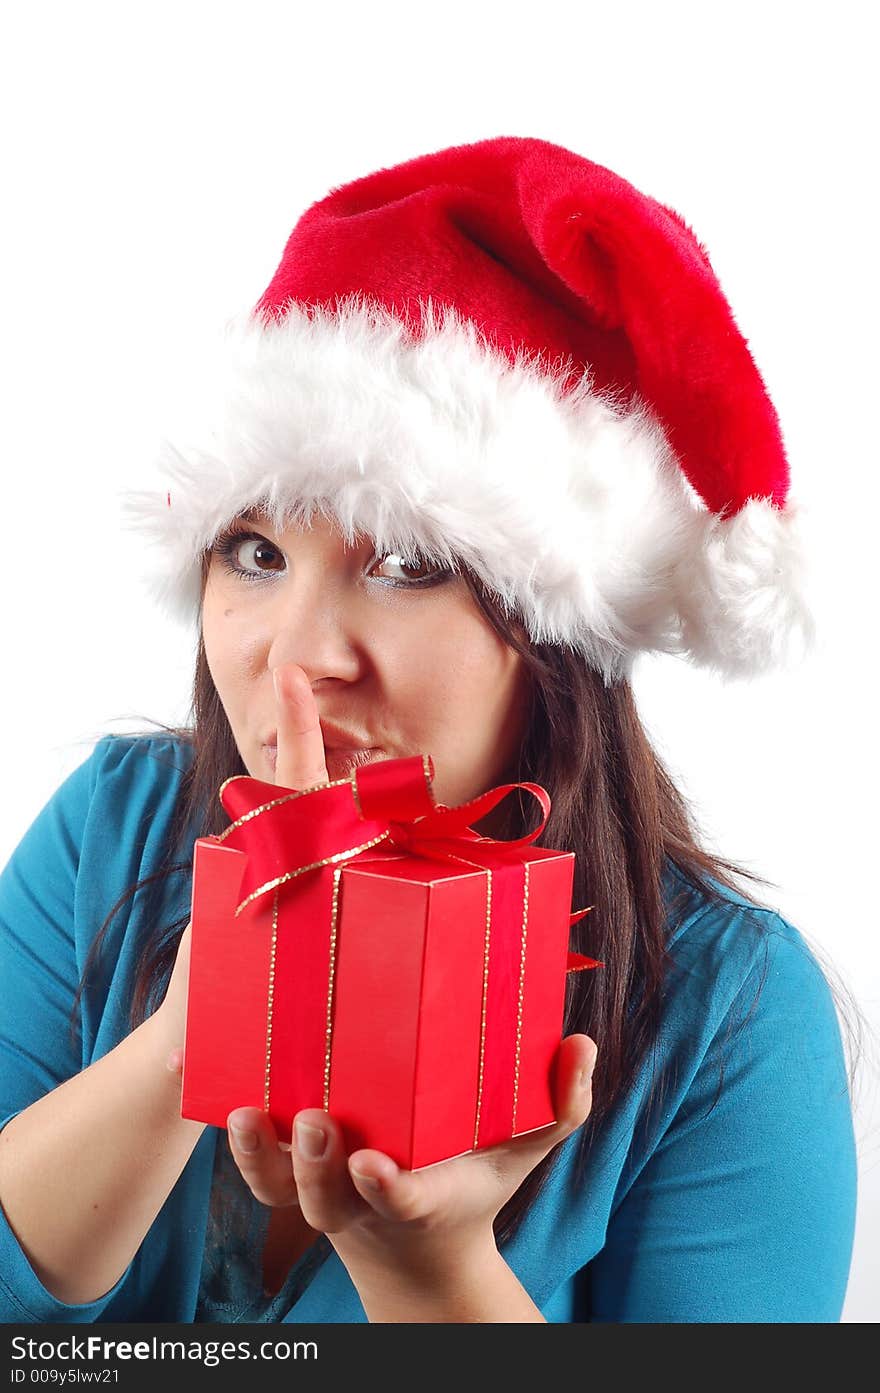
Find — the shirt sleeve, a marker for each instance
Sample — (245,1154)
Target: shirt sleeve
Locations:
(40,972)
(745,1210)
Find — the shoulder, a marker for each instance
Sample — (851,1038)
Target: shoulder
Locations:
(749,1012)
(141,758)
(128,771)
(133,772)
(728,952)
(105,825)
(106,858)
(133,785)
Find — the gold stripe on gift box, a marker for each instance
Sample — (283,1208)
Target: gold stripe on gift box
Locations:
(274,884)
(520,994)
(271,1000)
(328,1045)
(485,997)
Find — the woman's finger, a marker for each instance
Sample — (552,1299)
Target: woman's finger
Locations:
(393,1193)
(572,1097)
(573,1100)
(327,1197)
(490,1175)
(253,1142)
(573,1081)
(300,761)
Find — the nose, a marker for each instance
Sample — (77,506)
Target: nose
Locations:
(312,626)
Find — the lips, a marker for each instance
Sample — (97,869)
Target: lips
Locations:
(339,761)
(334,737)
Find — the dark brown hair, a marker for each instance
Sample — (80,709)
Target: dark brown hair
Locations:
(613,804)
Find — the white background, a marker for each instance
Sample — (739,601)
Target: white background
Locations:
(157,157)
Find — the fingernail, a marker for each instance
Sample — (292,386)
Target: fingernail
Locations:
(587,1072)
(311,1142)
(369,1182)
(244,1139)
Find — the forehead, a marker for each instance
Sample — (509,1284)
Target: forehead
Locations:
(256,513)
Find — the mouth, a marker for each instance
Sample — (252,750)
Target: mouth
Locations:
(339,761)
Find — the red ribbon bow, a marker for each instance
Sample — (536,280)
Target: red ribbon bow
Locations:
(382,806)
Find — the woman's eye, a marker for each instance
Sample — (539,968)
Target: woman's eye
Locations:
(249,555)
(408,569)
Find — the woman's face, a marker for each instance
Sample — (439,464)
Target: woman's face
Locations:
(399,655)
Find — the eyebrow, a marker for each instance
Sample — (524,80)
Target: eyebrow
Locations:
(257,515)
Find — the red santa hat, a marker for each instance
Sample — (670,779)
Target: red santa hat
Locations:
(505,356)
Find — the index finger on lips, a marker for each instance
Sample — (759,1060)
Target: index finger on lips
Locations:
(300,761)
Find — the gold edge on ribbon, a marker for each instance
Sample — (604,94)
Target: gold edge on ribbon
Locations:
(520,995)
(355,793)
(314,866)
(483,1005)
(328,1034)
(289,797)
(270,1002)
(426,770)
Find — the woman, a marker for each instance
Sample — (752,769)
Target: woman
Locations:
(490,432)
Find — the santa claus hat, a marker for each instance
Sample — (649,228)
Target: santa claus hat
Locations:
(505,356)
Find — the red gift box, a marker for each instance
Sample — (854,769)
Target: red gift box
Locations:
(359,948)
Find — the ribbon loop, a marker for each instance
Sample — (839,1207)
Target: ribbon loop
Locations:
(288,833)
(453,824)
(396,789)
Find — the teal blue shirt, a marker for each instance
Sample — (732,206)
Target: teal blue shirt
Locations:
(731,1200)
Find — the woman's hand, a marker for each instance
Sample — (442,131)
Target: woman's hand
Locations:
(406,1236)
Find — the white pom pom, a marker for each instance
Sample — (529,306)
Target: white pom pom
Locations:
(742,592)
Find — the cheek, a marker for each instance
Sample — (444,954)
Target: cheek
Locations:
(233,649)
(461,695)
(439,666)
